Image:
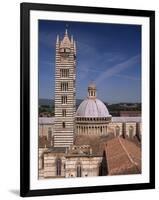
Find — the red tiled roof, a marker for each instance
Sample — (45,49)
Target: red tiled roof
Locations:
(123,157)
(96,142)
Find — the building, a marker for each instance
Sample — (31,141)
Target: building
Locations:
(65,91)
(92,116)
(73,143)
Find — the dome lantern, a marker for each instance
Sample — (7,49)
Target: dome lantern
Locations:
(92,91)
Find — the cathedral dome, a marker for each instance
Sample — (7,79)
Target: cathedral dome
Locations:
(92,107)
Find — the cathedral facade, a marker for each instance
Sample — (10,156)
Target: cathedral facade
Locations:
(72,143)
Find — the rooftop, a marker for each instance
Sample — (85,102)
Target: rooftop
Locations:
(126,119)
(46,120)
(122,156)
(51,120)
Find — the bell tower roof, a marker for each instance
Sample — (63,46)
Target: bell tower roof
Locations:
(65,43)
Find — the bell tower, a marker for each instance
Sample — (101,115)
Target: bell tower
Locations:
(65,100)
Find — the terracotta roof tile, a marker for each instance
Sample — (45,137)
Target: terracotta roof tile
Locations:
(123,156)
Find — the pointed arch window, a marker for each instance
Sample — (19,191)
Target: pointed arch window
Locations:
(63,125)
(58,166)
(79,170)
(63,112)
(64,86)
(101,129)
(64,99)
(64,73)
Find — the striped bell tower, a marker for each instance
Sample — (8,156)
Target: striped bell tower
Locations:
(65,99)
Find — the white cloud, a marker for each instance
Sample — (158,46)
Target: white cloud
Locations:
(128,77)
(117,68)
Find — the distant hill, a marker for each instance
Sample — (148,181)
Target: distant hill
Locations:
(111,107)
(46,108)
(46,102)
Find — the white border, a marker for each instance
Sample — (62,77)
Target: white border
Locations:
(89,181)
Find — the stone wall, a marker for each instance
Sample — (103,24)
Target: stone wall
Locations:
(89,165)
(50,169)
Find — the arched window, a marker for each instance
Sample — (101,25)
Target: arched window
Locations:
(117,130)
(63,112)
(64,99)
(79,171)
(63,125)
(101,129)
(64,86)
(64,72)
(58,167)
(131,130)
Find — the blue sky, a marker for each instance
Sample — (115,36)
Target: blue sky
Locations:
(107,54)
